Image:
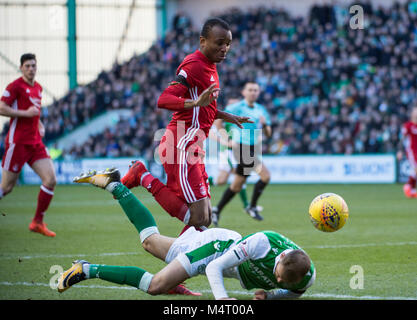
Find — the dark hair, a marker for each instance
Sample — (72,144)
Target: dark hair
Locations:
(210,23)
(296,263)
(26,57)
(249,81)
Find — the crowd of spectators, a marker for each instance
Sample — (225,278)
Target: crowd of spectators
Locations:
(330,88)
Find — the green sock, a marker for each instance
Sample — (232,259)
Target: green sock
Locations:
(137,213)
(244,196)
(132,276)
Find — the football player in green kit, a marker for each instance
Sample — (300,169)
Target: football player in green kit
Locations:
(264,260)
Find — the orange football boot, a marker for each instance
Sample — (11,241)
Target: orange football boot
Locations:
(40,227)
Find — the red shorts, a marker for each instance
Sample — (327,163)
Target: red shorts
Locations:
(16,155)
(186,178)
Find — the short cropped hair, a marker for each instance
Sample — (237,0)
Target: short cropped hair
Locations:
(296,265)
(26,57)
(250,81)
(210,23)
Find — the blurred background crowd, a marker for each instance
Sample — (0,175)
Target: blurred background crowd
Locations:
(329,89)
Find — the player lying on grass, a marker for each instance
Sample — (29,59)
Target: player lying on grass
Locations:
(264,260)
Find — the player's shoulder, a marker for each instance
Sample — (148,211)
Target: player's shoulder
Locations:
(191,60)
(16,83)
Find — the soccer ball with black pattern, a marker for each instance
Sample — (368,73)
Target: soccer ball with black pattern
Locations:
(328,212)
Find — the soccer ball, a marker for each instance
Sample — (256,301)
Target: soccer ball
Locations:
(328,212)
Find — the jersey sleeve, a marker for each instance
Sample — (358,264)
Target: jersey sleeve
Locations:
(9,94)
(256,246)
(253,247)
(173,97)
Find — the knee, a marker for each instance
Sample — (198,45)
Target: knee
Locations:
(156,287)
(146,245)
(236,188)
(7,186)
(49,182)
(7,189)
(221,181)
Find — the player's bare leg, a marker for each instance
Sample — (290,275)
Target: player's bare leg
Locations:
(158,245)
(200,213)
(44,168)
(168,278)
(8,181)
(237,183)
(222,177)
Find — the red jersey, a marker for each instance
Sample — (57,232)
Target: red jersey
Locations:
(190,126)
(20,95)
(409,131)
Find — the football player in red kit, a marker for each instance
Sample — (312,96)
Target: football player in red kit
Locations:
(409,135)
(192,97)
(21,102)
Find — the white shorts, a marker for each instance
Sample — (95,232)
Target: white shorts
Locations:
(195,250)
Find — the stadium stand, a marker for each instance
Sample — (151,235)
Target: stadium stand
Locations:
(330,89)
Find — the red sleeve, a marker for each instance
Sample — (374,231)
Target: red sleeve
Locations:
(171,97)
(10,94)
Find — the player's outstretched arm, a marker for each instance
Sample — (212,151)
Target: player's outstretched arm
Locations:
(214,272)
(231,118)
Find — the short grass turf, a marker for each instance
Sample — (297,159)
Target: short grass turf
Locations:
(379,241)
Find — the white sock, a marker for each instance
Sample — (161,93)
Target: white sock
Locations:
(86,270)
(111,186)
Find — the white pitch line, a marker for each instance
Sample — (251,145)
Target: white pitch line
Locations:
(81,255)
(313,295)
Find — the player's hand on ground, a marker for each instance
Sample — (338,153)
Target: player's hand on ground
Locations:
(260,295)
(32,111)
(208,95)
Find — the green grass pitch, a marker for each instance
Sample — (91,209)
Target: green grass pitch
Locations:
(380,237)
